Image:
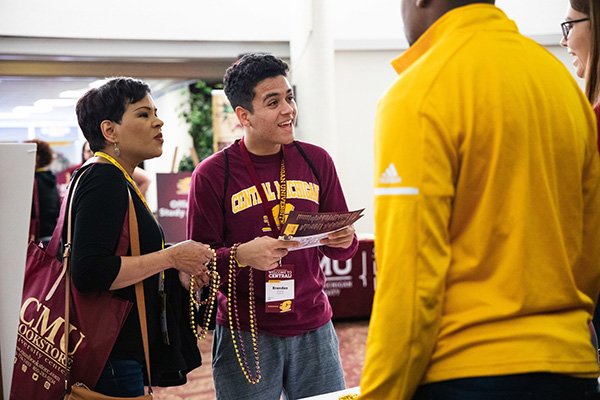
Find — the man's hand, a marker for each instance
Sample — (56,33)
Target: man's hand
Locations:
(263,252)
(341,239)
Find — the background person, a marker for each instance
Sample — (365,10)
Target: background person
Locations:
(487,248)
(581,38)
(119,120)
(297,348)
(46,203)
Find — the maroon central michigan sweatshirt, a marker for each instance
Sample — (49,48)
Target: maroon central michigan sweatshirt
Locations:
(224,210)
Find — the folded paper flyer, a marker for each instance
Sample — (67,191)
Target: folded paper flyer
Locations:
(309,228)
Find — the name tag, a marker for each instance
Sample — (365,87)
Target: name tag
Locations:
(279,289)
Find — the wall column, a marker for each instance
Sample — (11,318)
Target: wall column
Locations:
(312,56)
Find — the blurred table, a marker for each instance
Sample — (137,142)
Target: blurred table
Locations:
(334,395)
(350,284)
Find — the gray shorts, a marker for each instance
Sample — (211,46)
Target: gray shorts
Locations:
(291,367)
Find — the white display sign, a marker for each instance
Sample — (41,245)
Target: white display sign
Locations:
(17,167)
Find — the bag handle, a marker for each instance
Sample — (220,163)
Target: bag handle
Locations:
(134,241)
(139,287)
(52,247)
(66,273)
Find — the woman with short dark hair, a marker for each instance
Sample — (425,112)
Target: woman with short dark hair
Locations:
(119,119)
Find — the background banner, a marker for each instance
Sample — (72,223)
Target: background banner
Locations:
(350,284)
(172,192)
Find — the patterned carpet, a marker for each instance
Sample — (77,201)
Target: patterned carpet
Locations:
(352,336)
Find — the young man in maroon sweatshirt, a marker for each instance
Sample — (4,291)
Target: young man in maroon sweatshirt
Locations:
(238,200)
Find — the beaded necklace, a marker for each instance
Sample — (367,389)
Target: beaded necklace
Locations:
(209,302)
(232,310)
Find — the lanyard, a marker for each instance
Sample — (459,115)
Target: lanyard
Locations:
(135,187)
(282,187)
(127,176)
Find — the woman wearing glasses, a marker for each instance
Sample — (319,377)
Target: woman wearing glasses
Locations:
(581,38)
(577,34)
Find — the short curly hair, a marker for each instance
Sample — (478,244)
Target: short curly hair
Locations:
(107,102)
(243,75)
(44,153)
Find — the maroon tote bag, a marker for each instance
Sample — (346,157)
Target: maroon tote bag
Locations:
(95,322)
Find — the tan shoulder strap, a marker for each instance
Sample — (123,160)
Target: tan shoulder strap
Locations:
(134,240)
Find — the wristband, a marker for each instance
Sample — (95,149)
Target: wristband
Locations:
(234,256)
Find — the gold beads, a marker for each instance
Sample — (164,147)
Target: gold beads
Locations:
(232,313)
(209,302)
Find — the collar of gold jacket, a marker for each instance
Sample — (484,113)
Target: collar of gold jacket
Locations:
(475,17)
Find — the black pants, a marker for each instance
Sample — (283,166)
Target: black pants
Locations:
(538,386)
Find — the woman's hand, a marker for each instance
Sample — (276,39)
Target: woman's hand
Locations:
(200,280)
(189,257)
(264,252)
(341,239)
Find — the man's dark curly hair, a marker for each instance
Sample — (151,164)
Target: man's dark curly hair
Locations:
(107,102)
(243,75)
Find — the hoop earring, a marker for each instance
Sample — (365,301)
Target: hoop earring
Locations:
(117,150)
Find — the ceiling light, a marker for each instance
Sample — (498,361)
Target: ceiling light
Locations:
(72,94)
(31,109)
(98,83)
(12,115)
(55,131)
(55,103)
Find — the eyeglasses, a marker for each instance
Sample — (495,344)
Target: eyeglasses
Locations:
(568,25)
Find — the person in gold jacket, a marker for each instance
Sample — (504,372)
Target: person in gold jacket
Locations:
(487,216)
